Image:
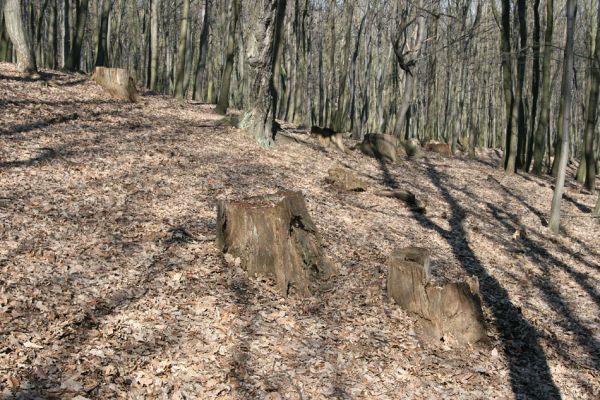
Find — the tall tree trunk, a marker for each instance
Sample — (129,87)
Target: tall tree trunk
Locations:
(203,52)
(510,150)
(260,121)
(223,103)
(183,34)
(542,128)
(597,209)
(74,58)
(66,29)
(535,83)
(592,110)
(18,36)
(154,46)
(565,119)
(102,53)
(51,54)
(520,89)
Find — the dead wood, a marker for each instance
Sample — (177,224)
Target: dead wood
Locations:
(117,82)
(328,137)
(443,308)
(274,236)
(345,179)
(383,147)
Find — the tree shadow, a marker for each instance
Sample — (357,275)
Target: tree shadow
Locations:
(23,128)
(46,154)
(530,374)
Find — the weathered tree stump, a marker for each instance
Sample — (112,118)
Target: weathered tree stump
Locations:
(345,179)
(452,308)
(439,148)
(117,82)
(274,236)
(379,146)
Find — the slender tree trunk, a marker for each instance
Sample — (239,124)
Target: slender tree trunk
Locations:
(260,122)
(66,29)
(102,53)
(223,103)
(597,209)
(179,75)
(203,52)
(566,116)
(535,84)
(542,128)
(74,58)
(154,46)
(51,54)
(592,110)
(18,36)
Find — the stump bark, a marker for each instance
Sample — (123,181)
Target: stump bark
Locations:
(450,308)
(117,82)
(345,179)
(274,236)
(379,146)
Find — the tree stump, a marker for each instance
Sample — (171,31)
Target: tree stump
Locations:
(274,236)
(117,82)
(439,148)
(450,308)
(383,147)
(345,179)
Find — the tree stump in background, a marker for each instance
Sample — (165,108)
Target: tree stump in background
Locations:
(382,147)
(274,235)
(451,308)
(345,179)
(117,82)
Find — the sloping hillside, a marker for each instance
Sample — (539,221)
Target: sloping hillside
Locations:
(111,285)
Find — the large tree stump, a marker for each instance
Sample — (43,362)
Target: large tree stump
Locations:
(383,147)
(443,308)
(117,82)
(274,235)
(345,179)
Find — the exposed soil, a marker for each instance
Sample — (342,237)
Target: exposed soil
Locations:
(111,285)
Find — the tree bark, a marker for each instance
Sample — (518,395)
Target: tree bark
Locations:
(566,116)
(74,58)
(198,81)
(542,128)
(592,113)
(102,53)
(260,121)
(18,36)
(154,45)
(183,34)
(223,103)
(535,84)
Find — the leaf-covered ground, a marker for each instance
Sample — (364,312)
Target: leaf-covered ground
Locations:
(111,285)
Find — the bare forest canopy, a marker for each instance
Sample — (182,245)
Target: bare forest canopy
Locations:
(418,68)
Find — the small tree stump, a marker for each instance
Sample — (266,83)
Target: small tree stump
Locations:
(274,236)
(345,179)
(443,308)
(117,82)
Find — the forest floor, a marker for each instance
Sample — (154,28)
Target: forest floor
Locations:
(111,285)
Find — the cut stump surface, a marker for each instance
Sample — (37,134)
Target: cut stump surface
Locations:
(451,308)
(274,236)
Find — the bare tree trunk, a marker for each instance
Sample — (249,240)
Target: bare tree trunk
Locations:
(592,115)
(223,103)
(566,116)
(52,50)
(16,33)
(102,53)
(260,121)
(66,29)
(597,209)
(535,83)
(154,43)
(183,34)
(74,58)
(542,128)
(198,86)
